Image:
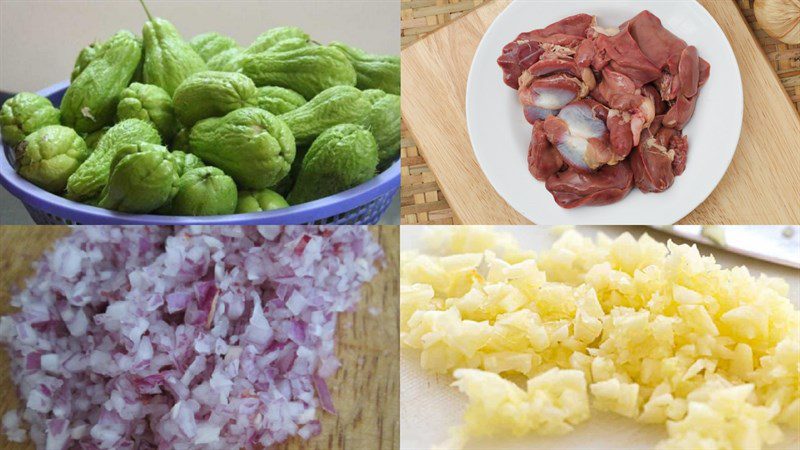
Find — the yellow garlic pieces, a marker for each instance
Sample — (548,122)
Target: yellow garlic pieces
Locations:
(553,402)
(654,332)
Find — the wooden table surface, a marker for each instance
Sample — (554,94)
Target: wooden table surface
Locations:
(761,185)
(365,390)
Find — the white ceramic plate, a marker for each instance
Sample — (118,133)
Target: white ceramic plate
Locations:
(500,135)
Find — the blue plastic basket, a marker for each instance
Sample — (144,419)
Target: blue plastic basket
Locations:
(362,205)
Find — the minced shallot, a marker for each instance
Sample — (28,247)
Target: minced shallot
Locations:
(182,338)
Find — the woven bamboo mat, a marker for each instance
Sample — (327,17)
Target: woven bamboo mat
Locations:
(421,200)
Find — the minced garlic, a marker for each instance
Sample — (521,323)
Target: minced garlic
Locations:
(553,402)
(654,332)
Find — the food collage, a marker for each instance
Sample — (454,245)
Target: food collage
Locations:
(400,225)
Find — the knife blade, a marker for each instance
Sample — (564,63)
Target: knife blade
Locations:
(779,244)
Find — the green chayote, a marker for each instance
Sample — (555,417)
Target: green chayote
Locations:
(93,138)
(317,125)
(87,55)
(185,162)
(384,123)
(269,39)
(276,39)
(181,141)
(373,71)
(287,183)
(92,176)
(149,102)
(205,191)
(25,113)
(143,177)
(49,155)
(208,45)
(138,74)
(90,102)
(373,95)
(341,158)
(263,200)
(212,94)
(308,70)
(333,106)
(289,44)
(227,61)
(168,59)
(278,100)
(251,145)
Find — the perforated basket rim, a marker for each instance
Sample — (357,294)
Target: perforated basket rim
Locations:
(327,207)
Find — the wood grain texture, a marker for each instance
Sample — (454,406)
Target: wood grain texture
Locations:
(761,186)
(421,199)
(365,390)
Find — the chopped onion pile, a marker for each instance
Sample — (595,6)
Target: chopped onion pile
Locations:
(179,338)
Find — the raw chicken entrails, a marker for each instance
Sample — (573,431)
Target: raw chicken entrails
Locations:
(607,106)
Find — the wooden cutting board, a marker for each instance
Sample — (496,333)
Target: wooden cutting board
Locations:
(365,390)
(762,184)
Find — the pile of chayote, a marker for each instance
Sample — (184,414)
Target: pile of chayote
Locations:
(160,125)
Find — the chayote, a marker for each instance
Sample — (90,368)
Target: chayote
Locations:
(308,70)
(168,59)
(278,100)
(251,145)
(49,155)
(333,106)
(373,95)
(373,71)
(87,55)
(143,177)
(227,61)
(341,158)
(269,39)
(287,183)
(288,44)
(25,113)
(205,191)
(276,39)
(263,200)
(138,74)
(208,45)
(90,102)
(384,123)
(150,103)
(185,162)
(93,138)
(92,176)
(212,94)
(181,141)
